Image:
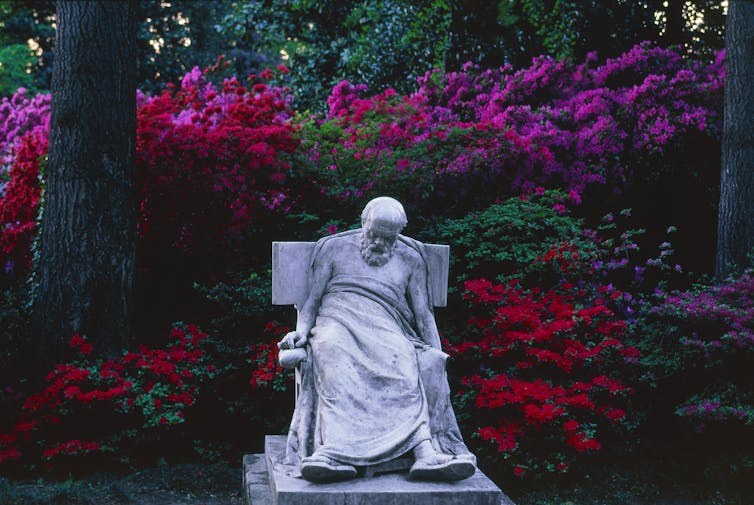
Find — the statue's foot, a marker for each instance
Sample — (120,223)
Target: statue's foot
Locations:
(443,467)
(324,469)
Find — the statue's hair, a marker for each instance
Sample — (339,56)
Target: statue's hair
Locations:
(389,208)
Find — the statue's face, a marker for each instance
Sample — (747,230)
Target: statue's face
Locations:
(378,243)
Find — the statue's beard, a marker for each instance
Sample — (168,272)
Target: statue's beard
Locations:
(375,255)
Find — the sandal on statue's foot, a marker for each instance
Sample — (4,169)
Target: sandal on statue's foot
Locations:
(324,469)
(447,470)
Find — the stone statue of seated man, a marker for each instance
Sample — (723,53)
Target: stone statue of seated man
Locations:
(373,384)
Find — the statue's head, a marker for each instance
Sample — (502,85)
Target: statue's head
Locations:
(382,220)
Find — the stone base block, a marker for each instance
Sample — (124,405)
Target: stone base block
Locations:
(268,482)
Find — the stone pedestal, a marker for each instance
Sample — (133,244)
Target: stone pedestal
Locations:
(268,482)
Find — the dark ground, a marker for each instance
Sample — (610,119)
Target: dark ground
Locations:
(220,484)
(184,484)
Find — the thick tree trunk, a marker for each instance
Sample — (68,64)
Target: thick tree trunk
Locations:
(735,238)
(85,265)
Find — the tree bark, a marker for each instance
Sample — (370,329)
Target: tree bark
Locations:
(86,249)
(735,236)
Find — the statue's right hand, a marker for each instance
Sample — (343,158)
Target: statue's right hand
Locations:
(292,340)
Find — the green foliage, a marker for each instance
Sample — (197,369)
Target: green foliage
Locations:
(174,37)
(396,42)
(384,43)
(556,24)
(15,69)
(240,305)
(29,23)
(510,238)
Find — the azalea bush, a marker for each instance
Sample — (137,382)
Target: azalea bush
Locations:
(212,168)
(97,406)
(20,114)
(267,372)
(543,381)
(598,122)
(401,146)
(19,204)
(211,161)
(699,345)
(559,312)
(465,138)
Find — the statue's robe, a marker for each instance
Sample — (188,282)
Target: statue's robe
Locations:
(371,389)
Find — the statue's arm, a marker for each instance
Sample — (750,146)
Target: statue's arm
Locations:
(420,305)
(320,276)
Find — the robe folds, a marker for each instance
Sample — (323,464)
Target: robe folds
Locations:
(370,389)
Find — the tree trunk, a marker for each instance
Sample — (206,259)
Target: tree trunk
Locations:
(735,236)
(86,250)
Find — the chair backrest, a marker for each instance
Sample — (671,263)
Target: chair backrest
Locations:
(290,272)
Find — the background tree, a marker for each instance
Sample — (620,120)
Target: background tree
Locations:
(735,238)
(85,266)
(26,40)
(173,37)
(389,43)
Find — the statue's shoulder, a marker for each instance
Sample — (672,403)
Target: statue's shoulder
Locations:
(335,242)
(411,250)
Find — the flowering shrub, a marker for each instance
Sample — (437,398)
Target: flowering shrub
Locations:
(24,126)
(487,133)
(534,238)
(213,161)
(706,339)
(537,239)
(267,372)
(210,161)
(596,121)
(93,405)
(542,372)
(20,202)
(20,115)
(402,146)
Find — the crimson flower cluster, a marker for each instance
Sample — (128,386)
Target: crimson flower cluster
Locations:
(542,388)
(267,372)
(210,160)
(148,388)
(20,201)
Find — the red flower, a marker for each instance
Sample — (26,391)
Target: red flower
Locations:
(26,425)
(9,455)
(571,425)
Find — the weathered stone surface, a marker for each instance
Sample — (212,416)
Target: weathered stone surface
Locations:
(290,266)
(268,482)
(256,480)
(290,262)
(365,299)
